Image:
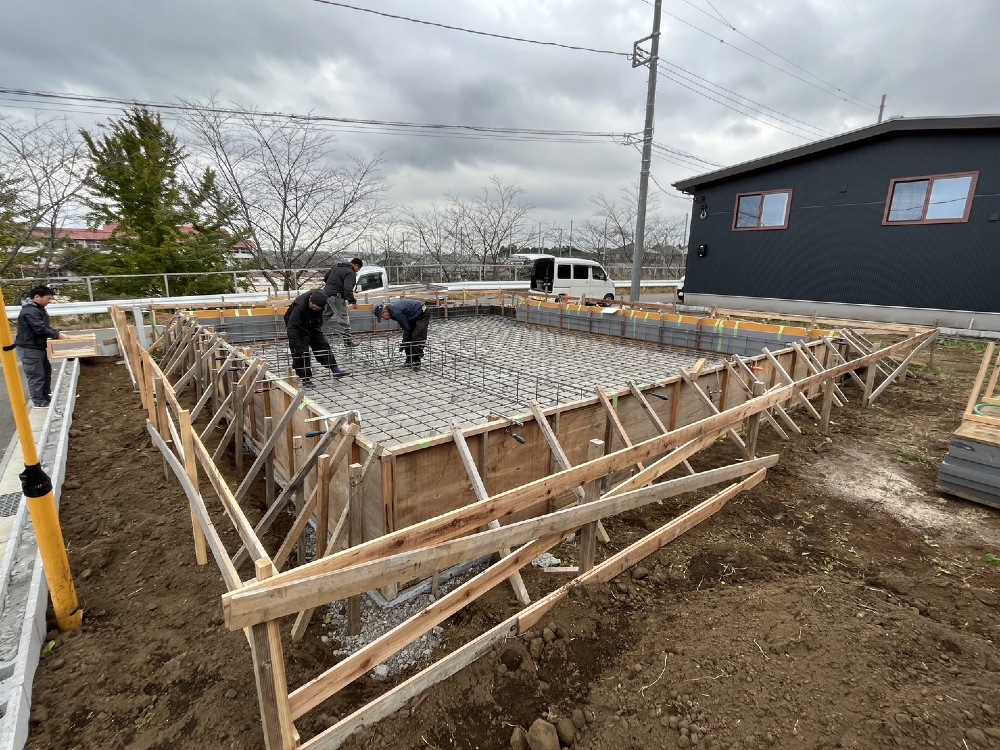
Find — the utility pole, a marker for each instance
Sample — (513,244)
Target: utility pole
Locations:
(639,57)
(881,108)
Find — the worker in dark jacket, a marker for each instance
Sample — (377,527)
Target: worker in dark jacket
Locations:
(304,326)
(413,319)
(339,289)
(32,342)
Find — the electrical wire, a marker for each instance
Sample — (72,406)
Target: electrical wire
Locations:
(788,119)
(841,94)
(721,19)
(679,82)
(351,124)
(560,45)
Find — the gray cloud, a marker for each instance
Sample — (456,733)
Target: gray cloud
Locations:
(299,56)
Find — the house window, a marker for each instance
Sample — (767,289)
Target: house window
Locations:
(762,210)
(940,199)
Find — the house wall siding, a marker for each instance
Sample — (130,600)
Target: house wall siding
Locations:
(836,249)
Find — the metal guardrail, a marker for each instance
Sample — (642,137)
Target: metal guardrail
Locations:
(101,288)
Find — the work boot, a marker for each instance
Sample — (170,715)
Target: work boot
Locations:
(337,372)
(348,343)
(407,365)
(305,383)
(416,365)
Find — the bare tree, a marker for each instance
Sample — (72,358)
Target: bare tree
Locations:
(44,162)
(489,224)
(432,233)
(611,236)
(292,197)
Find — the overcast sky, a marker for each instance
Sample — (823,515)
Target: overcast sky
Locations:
(928,56)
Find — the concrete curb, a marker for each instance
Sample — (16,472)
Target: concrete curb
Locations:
(25,617)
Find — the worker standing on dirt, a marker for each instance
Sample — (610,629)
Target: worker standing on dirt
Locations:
(304,326)
(413,319)
(339,289)
(32,343)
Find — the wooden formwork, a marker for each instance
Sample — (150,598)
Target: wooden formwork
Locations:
(394,516)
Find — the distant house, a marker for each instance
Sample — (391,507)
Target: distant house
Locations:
(898,221)
(96,239)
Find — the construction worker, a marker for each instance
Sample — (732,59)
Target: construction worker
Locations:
(32,343)
(339,289)
(304,326)
(413,319)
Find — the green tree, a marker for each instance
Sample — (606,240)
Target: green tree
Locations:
(169,219)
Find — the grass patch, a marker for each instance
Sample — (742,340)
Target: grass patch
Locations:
(916,457)
(972,345)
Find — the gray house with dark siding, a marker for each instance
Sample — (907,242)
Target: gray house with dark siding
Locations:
(899,221)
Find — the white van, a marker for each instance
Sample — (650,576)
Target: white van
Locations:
(573,277)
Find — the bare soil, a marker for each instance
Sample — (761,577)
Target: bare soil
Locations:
(844,602)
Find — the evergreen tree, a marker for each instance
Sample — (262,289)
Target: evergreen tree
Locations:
(169,220)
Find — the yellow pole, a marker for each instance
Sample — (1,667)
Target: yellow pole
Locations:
(37,488)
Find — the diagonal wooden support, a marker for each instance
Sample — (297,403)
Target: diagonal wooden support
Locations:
(293,484)
(199,360)
(851,337)
(298,526)
(312,694)
(520,591)
(790,380)
(276,435)
(613,416)
(777,408)
(900,369)
(711,405)
(735,377)
(222,411)
(239,404)
(561,459)
(209,390)
(816,367)
(262,601)
(840,361)
(339,533)
(653,416)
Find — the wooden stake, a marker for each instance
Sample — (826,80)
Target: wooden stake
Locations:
(269,672)
(753,425)
(355,536)
(588,534)
(191,469)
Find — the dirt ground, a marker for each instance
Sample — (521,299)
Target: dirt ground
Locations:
(844,603)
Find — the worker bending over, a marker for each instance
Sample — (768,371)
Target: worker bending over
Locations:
(304,326)
(413,319)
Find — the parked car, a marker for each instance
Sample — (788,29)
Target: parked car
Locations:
(680,290)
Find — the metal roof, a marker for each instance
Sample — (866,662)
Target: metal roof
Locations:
(883,129)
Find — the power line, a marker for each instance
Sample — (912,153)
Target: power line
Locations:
(788,119)
(473,31)
(840,93)
(679,82)
(749,38)
(352,124)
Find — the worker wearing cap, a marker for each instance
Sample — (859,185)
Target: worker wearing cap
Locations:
(339,289)
(304,326)
(413,319)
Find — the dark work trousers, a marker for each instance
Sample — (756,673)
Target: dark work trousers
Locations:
(38,371)
(413,345)
(300,341)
